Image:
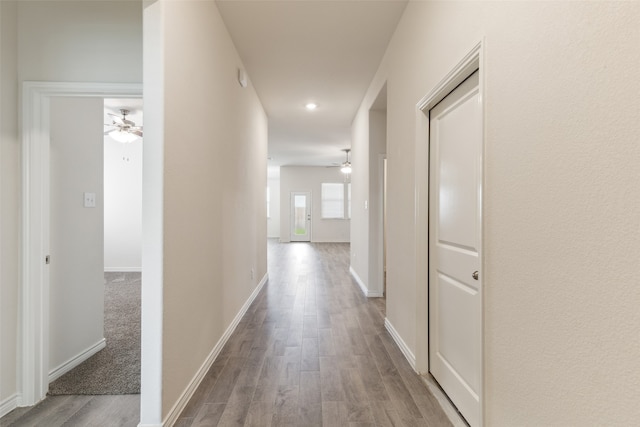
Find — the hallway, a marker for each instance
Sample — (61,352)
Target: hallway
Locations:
(312,350)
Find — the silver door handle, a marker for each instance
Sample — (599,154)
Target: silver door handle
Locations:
(475,275)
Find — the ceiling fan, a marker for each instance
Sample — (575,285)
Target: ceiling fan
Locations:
(345,167)
(123,129)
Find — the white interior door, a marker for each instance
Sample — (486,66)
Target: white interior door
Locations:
(76,287)
(300,216)
(455,279)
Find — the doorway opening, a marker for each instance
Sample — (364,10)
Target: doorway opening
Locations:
(38,98)
(95,275)
(377,195)
(449,236)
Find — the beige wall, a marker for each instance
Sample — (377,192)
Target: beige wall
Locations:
(215,151)
(80,41)
(310,178)
(9,199)
(561,198)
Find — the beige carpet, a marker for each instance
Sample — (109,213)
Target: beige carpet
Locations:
(116,368)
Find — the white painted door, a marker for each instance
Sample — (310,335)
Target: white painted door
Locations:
(76,280)
(455,279)
(300,216)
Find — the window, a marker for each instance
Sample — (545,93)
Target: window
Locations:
(332,201)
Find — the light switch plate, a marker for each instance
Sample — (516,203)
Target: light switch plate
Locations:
(89,200)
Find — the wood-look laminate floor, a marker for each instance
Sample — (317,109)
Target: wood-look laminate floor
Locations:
(311,351)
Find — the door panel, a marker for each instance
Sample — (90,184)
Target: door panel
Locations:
(455,133)
(300,217)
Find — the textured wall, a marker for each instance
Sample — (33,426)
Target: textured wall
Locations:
(561,198)
(214,205)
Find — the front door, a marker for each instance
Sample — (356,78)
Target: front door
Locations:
(300,216)
(455,279)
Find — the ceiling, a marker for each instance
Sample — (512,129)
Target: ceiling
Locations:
(301,51)
(114,105)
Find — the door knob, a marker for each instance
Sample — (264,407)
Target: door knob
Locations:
(475,275)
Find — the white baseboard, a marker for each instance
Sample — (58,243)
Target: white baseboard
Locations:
(9,404)
(359,281)
(408,354)
(123,269)
(367,293)
(187,394)
(56,373)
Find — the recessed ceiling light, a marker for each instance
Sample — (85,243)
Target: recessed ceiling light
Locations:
(311,106)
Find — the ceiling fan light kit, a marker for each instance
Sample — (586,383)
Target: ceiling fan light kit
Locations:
(346,166)
(123,136)
(125,130)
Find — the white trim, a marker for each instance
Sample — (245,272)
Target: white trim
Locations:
(9,404)
(472,61)
(76,360)
(458,74)
(347,240)
(367,293)
(123,270)
(404,348)
(34,339)
(447,407)
(187,394)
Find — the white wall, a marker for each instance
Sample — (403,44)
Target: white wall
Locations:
(213,199)
(122,205)
(310,178)
(561,236)
(76,290)
(97,41)
(273,222)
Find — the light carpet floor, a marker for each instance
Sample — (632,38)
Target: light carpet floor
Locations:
(116,368)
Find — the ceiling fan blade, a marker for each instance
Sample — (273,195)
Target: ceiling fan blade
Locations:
(128,122)
(136,132)
(116,119)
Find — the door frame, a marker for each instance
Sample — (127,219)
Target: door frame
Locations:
(309,208)
(34,309)
(471,62)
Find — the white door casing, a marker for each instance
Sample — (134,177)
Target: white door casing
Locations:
(34,350)
(455,279)
(300,219)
